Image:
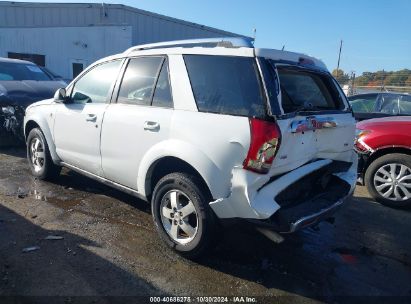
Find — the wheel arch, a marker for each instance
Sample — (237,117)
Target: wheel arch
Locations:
(384,151)
(384,158)
(175,154)
(170,164)
(32,123)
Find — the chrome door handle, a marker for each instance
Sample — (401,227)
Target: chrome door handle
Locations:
(91,117)
(151,125)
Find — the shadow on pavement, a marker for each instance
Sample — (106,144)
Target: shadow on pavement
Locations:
(372,201)
(65,267)
(16,151)
(366,246)
(72,179)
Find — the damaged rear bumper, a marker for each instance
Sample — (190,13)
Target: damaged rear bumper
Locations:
(313,219)
(298,199)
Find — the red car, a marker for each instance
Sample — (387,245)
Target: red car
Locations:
(384,148)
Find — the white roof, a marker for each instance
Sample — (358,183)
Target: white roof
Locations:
(227,46)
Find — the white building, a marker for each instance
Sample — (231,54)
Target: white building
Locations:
(66,37)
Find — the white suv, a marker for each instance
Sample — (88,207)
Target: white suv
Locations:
(207,131)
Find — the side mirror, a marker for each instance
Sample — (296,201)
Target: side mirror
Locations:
(60,96)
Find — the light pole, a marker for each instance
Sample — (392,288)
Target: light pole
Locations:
(339,57)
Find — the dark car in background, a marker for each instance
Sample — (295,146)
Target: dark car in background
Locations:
(54,76)
(376,105)
(21,84)
(384,149)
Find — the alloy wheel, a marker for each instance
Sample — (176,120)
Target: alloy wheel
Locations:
(393,182)
(37,154)
(179,216)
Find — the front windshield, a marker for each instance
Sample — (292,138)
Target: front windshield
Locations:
(392,104)
(10,71)
(363,103)
(386,103)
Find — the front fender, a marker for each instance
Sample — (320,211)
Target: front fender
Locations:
(217,182)
(38,116)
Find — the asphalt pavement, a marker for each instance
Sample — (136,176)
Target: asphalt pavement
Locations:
(75,237)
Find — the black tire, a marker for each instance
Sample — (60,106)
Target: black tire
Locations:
(207,225)
(47,170)
(394,158)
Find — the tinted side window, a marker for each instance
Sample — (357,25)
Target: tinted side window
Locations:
(162,94)
(226,85)
(94,86)
(139,80)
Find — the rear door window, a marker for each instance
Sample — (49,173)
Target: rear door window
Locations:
(162,94)
(307,90)
(226,85)
(139,80)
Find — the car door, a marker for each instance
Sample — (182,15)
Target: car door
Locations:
(138,120)
(77,127)
(317,122)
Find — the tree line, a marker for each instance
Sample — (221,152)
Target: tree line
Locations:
(379,78)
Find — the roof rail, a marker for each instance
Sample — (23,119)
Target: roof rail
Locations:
(231,42)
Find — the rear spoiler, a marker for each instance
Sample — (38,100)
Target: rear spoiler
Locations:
(291,58)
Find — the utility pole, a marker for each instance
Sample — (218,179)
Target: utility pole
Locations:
(339,57)
(382,80)
(352,86)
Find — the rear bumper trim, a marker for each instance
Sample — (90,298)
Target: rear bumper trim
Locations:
(312,219)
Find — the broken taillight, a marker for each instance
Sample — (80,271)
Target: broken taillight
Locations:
(265,142)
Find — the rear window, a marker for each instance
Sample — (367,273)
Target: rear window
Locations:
(306,90)
(226,85)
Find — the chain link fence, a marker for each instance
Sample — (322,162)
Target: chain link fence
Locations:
(353,85)
(351,89)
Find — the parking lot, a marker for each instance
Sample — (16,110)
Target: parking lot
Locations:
(103,243)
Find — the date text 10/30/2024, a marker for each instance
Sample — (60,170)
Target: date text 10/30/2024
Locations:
(235,299)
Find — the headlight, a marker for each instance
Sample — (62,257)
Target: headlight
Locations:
(361,133)
(359,144)
(8,110)
(3,91)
